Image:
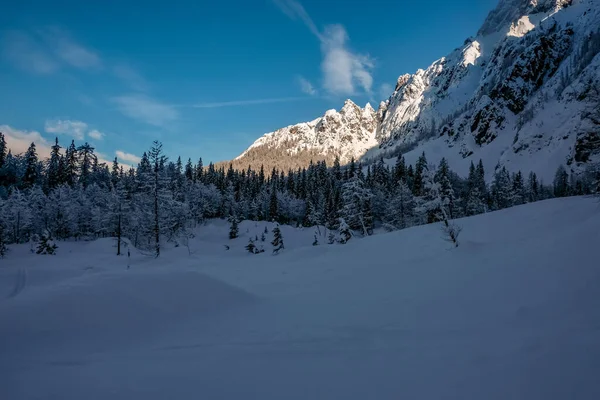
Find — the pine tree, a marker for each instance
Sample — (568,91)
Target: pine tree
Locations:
(277,240)
(189,171)
(400,213)
(87,158)
(251,247)
(533,187)
(437,204)
(30,176)
(400,169)
(114,173)
(54,166)
(234,228)
(331,237)
(46,245)
(70,165)
(420,169)
(3,248)
(520,195)
(344,231)
(157,161)
(561,182)
(316,241)
(502,190)
(3,151)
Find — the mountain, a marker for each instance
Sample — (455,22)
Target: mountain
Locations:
(346,134)
(523,93)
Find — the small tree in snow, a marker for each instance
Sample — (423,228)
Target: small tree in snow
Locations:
(344,231)
(233,229)
(46,245)
(263,237)
(277,240)
(437,205)
(331,237)
(316,241)
(251,247)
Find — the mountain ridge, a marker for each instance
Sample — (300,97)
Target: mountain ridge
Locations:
(522,92)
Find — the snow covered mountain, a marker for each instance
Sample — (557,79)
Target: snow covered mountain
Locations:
(348,134)
(524,93)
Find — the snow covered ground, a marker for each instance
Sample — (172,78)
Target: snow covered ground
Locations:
(513,313)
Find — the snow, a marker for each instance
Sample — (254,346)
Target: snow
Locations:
(511,313)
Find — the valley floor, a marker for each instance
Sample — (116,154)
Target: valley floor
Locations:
(513,313)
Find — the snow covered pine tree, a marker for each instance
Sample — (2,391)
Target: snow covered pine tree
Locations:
(277,240)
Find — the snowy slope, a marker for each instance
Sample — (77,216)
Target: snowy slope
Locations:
(517,94)
(511,313)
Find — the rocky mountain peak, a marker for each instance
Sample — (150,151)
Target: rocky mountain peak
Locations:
(510,11)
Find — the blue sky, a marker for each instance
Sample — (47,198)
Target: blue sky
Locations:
(207,78)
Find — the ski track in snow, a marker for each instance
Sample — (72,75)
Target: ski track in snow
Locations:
(20,283)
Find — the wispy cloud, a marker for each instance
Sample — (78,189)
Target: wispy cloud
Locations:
(96,134)
(343,70)
(306,86)
(128,157)
(26,53)
(146,109)
(130,77)
(18,141)
(68,50)
(295,11)
(234,103)
(47,50)
(76,129)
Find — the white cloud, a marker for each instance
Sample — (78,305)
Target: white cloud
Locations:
(233,103)
(23,51)
(343,70)
(131,77)
(146,109)
(385,91)
(18,141)
(306,86)
(95,134)
(132,158)
(76,129)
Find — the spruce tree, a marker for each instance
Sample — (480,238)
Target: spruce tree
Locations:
(400,213)
(344,231)
(3,151)
(277,240)
(54,166)
(400,169)
(561,182)
(87,158)
(233,228)
(251,247)
(30,176)
(114,173)
(69,174)
(46,245)
(3,248)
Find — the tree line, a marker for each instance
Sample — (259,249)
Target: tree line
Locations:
(71,195)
